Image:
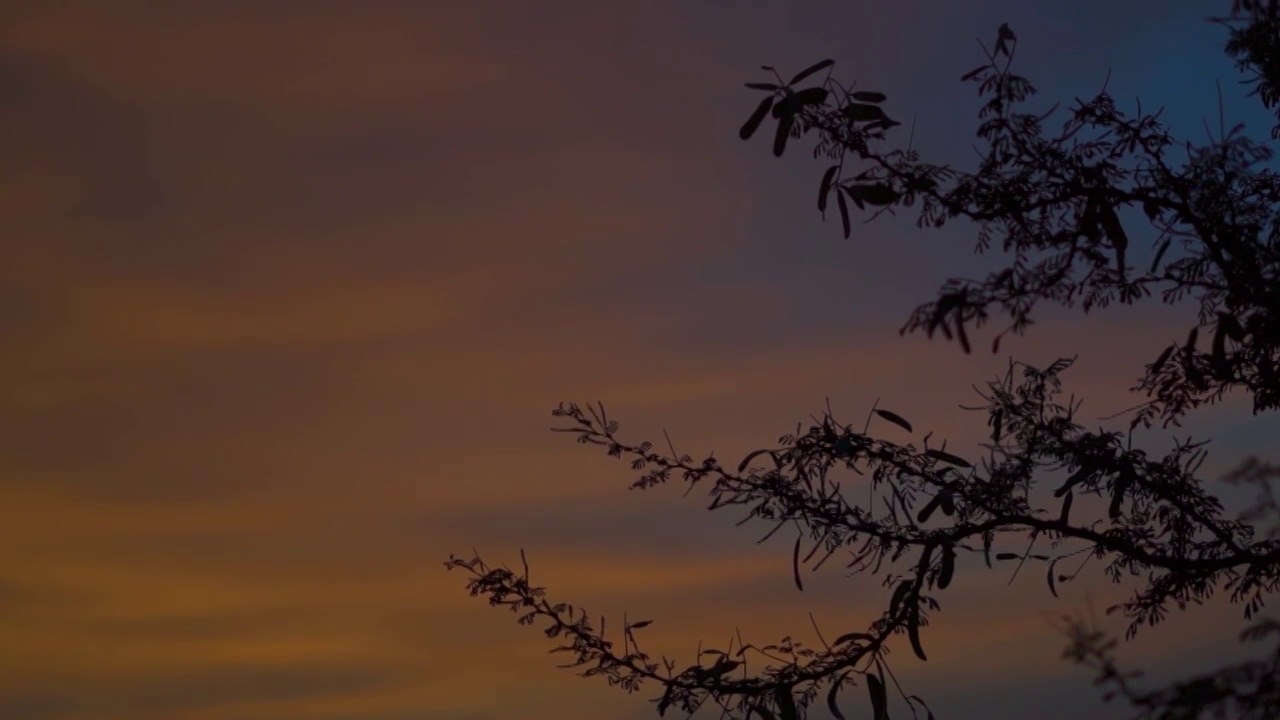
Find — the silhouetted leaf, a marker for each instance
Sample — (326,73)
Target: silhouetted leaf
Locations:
(1160,361)
(1191,340)
(795,563)
(861,112)
(927,510)
(878,194)
(822,65)
(786,703)
(948,458)
(1078,476)
(1004,37)
(665,702)
(869,96)
(844,214)
(1117,495)
(750,456)
(763,86)
(946,502)
(1218,360)
(831,696)
(899,594)
(850,637)
(1115,233)
(1066,507)
(763,712)
(1160,254)
(723,667)
(1052,587)
(1006,556)
(757,117)
(879,698)
(948,567)
(784,132)
(824,188)
(641,624)
(894,418)
(928,712)
(960,333)
(855,197)
(811,96)
(913,633)
(973,73)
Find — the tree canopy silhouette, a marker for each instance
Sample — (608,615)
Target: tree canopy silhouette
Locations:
(1059,204)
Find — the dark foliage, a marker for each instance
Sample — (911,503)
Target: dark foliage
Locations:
(1056,202)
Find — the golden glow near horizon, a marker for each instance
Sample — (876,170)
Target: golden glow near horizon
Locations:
(290,292)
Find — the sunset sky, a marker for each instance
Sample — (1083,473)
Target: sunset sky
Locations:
(289,290)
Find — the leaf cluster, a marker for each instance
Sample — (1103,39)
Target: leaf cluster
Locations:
(1062,205)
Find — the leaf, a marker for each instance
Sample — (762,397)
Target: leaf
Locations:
(870,96)
(964,339)
(763,712)
(822,65)
(854,196)
(723,666)
(913,633)
(844,214)
(879,125)
(1052,588)
(948,458)
(1191,340)
(1005,36)
(948,567)
(1116,234)
(929,507)
(1066,507)
(1234,330)
(786,703)
(1160,361)
(973,73)
(1151,210)
(923,704)
(784,132)
(811,96)
(861,112)
(899,593)
(879,699)
(750,456)
(850,637)
(831,697)
(795,563)
(880,194)
(757,117)
(1006,556)
(1078,476)
(947,504)
(1219,358)
(641,624)
(763,86)
(1160,254)
(824,188)
(894,418)
(1117,495)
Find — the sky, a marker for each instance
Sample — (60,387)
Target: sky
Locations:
(290,289)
